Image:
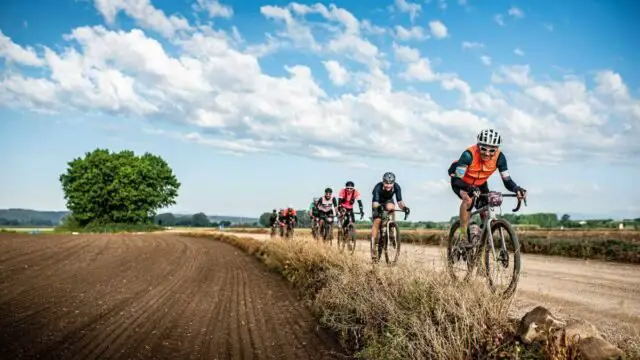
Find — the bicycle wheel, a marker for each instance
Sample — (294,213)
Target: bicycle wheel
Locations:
(341,239)
(392,244)
(350,238)
(498,260)
(460,252)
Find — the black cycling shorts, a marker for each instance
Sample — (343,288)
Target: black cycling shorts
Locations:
(480,202)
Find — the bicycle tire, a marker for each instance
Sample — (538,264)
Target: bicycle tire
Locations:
(471,263)
(352,237)
(341,241)
(387,241)
(513,284)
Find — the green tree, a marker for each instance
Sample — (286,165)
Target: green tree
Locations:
(200,220)
(166,219)
(264,219)
(105,187)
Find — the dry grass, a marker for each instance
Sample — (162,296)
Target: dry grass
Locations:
(597,244)
(381,312)
(389,313)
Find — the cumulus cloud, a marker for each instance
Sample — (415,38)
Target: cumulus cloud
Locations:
(214,8)
(408,7)
(438,29)
(338,75)
(518,52)
(214,90)
(413,33)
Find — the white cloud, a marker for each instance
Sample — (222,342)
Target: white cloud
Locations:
(548,26)
(338,75)
(214,8)
(409,7)
(406,54)
(516,74)
(516,12)
(415,32)
(145,14)
(472,45)
(12,52)
(438,29)
(215,91)
(499,19)
(518,52)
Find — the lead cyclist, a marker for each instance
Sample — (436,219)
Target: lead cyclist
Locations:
(469,174)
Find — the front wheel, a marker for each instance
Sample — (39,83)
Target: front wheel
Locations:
(498,258)
(392,244)
(350,238)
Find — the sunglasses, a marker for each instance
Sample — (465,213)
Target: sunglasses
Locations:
(490,150)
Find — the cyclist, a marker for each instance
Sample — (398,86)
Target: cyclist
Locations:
(291,215)
(281,219)
(470,172)
(383,198)
(273,218)
(346,198)
(313,214)
(326,206)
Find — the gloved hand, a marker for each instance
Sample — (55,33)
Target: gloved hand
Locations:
(361,214)
(521,192)
(407,210)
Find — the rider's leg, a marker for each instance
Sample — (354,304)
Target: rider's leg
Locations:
(375,214)
(482,201)
(465,215)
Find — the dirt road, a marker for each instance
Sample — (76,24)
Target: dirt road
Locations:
(147,296)
(605,293)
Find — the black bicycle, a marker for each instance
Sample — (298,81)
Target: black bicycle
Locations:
(388,234)
(347,234)
(479,237)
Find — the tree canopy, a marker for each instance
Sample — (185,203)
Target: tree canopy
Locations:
(106,187)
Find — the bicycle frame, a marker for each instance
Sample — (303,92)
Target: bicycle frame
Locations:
(495,200)
(390,220)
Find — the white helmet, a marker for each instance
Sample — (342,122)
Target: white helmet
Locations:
(489,137)
(290,206)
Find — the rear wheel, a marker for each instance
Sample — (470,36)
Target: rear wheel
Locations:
(462,257)
(502,264)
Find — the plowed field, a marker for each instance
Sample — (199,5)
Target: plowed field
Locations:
(147,296)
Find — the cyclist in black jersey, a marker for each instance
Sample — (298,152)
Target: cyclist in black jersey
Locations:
(382,198)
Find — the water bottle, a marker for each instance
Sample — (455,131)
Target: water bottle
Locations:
(474,233)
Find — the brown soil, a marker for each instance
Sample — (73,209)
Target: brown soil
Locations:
(147,296)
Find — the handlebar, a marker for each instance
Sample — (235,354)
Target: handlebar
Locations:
(478,195)
(397,209)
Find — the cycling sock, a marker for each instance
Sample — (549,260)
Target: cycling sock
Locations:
(463,230)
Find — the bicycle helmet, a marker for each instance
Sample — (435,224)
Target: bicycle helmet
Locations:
(388,178)
(489,137)
(315,199)
(349,184)
(328,190)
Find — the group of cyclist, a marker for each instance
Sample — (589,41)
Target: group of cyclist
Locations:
(284,218)
(468,176)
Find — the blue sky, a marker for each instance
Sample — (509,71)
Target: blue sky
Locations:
(258,104)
